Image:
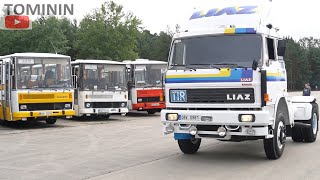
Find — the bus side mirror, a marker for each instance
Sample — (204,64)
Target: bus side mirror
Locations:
(255,65)
(281,47)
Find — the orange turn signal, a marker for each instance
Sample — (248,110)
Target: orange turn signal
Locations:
(266,98)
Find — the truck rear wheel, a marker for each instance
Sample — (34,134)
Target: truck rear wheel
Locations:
(297,134)
(274,147)
(189,146)
(310,134)
(51,121)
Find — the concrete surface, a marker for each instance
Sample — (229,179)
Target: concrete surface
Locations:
(133,147)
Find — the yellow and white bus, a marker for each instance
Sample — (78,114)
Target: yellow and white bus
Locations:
(36,86)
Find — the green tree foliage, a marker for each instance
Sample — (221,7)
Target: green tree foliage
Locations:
(108,33)
(46,33)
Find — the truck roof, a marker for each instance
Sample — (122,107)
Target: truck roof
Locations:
(230,17)
(91,61)
(37,55)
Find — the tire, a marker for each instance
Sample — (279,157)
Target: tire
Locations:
(107,116)
(274,147)
(151,111)
(51,121)
(310,134)
(297,134)
(189,146)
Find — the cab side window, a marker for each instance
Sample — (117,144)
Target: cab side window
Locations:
(271,49)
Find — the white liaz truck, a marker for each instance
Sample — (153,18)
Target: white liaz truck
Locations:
(100,88)
(229,82)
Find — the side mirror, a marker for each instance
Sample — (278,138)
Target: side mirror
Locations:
(281,47)
(75,81)
(255,65)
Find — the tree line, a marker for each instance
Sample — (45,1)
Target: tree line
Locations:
(111,33)
(107,33)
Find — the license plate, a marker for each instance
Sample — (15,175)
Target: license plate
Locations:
(156,104)
(45,113)
(102,111)
(190,117)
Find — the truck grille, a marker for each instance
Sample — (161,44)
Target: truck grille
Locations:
(219,96)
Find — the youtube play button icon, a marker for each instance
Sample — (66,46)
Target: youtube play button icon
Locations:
(15,22)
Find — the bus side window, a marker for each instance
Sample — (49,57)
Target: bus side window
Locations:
(271,49)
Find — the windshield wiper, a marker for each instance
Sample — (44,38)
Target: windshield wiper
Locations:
(210,65)
(230,64)
(185,66)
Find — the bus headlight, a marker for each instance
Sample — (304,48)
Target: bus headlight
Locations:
(23,107)
(247,118)
(67,106)
(139,100)
(123,105)
(172,117)
(88,105)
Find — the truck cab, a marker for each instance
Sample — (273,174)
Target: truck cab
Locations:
(100,88)
(229,82)
(146,85)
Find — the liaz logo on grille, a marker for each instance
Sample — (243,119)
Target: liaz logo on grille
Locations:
(238,97)
(178,96)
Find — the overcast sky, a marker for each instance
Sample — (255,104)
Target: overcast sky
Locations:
(296,18)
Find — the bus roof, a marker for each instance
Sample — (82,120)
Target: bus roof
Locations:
(36,55)
(144,62)
(91,61)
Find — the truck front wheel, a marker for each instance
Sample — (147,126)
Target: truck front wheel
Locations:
(274,147)
(189,146)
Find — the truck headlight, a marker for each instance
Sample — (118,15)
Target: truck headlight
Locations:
(139,100)
(247,118)
(172,117)
(67,106)
(88,105)
(123,105)
(23,107)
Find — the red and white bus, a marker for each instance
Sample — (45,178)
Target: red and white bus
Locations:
(146,85)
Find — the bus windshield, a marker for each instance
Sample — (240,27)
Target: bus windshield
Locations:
(103,77)
(35,73)
(149,75)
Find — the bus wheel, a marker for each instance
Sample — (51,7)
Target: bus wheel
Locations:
(51,121)
(151,111)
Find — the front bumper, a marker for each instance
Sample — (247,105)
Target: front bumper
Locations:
(101,111)
(226,119)
(38,114)
(149,106)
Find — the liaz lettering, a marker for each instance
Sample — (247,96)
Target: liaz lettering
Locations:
(225,11)
(238,97)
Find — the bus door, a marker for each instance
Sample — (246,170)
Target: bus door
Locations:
(6,89)
(75,79)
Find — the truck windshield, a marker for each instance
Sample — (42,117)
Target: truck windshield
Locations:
(33,73)
(149,75)
(239,50)
(103,77)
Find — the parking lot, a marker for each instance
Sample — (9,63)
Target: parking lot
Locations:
(133,147)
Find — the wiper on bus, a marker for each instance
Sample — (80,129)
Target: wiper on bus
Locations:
(185,66)
(230,64)
(210,65)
